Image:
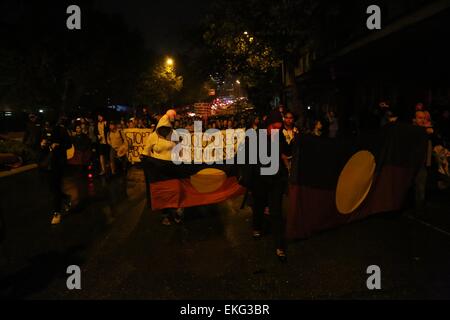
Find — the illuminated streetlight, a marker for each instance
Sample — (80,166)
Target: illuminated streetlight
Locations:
(238,82)
(169,62)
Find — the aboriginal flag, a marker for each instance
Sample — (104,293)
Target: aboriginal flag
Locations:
(190,185)
(335,182)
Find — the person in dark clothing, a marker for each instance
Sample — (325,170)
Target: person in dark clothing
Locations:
(54,144)
(33,132)
(257,183)
(101,131)
(291,134)
(81,140)
(422,175)
(82,144)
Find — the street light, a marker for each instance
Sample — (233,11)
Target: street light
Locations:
(169,62)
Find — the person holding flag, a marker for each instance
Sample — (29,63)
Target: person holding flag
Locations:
(159,145)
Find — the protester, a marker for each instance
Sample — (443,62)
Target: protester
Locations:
(82,145)
(91,132)
(290,134)
(33,132)
(159,145)
(333,125)
(102,146)
(421,119)
(255,123)
(442,157)
(141,124)
(273,196)
(52,161)
(118,147)
(317,129)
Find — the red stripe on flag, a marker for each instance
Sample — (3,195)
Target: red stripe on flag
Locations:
(312,209)
(179,193)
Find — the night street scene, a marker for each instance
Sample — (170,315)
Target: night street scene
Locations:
(225,151)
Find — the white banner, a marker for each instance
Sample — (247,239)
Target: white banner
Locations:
(136,142)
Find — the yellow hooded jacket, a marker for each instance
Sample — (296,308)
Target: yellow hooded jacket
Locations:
(157,146)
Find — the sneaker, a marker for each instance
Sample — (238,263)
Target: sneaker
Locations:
(281,254)
(56,219)
(166,222)
(179,214)
(67,206)
(256,234)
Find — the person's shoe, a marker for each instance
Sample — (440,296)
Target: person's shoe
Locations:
(67,206)
(166,222)
(179,214)
(281,254)
(56,219)
(257,234)
(102,173)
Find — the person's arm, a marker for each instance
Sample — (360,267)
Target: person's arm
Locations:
(148,145)
(124,138)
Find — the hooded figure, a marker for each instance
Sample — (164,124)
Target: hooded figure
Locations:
(159,144)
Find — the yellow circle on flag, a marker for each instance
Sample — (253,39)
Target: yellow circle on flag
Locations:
(70,152)
(208,180)
(355,182)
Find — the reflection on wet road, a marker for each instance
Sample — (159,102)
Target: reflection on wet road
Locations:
(125,253)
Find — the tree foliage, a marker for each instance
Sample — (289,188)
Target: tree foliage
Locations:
(45,64)
(158,86)
(253,38)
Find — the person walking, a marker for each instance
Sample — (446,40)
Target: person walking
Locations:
(33,132)
(54,144)
(102,144)
(272,197)
(118,147)
(290,133)
(159,145)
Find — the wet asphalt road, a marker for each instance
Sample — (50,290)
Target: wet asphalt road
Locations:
(125,253)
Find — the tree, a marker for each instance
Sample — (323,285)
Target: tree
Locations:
(257,37)
(158,86)
(48,65)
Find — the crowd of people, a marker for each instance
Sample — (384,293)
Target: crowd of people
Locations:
(103,143)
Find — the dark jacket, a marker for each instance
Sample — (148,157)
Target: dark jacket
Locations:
(32,135)
(251,174)
(57,158)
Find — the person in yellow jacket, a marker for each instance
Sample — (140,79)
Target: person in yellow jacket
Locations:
(159,145)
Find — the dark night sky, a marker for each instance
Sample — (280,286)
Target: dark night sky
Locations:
(162,22)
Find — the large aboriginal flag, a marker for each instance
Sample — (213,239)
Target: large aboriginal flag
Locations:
(190,185)
(335,182)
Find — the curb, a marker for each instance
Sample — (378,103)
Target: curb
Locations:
(20,170)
